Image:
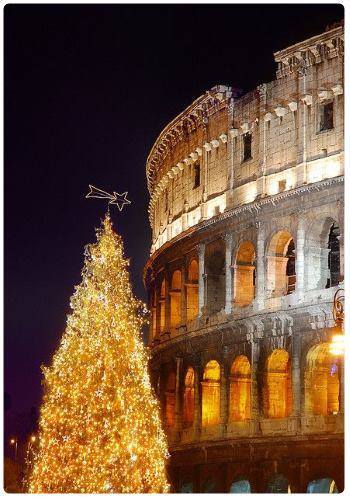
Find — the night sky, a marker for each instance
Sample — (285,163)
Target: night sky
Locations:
(87,90)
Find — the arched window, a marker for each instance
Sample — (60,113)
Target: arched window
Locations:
(281,278)
(333,256)
(175,300)
(240,389)
(162,306)
(215,271)
(211,394)
(188,399)
(323,265)
(240,487)
(277,391)
(169,408)
(192,291)
(322,486)
(278,485)
(244,274)
(321,381)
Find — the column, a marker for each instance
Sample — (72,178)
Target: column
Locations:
(201,278)
(341,384)
(157,304)
(296,376)
(300,259)
(183,292)
(228,273)
(259,302)
(254,395)
(223,400)
(167,301)
(197,422)
(178,417)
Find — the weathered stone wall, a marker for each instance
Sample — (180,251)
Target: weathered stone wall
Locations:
(285,411)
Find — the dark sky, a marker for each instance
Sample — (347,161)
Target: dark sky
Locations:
(87,90)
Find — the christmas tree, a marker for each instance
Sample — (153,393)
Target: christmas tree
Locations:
(99,428)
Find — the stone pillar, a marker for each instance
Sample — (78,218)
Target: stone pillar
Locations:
(197,422)
(183,292)
(223,399)
(178,414)
(201,278)
(228,273)
(167,300)
(300,259)
(341,384)
(341,256)
(296,351)
(259,302)
(157,304)
(254,394)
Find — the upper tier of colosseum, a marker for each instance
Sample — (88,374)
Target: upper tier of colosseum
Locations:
(224,152)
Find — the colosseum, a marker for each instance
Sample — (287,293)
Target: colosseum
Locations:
(246,210)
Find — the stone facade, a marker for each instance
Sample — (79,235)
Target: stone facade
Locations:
(247,253)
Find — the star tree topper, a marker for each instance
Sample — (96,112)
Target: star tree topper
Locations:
(118,199)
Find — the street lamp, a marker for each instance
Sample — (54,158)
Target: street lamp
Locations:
(337,346)
(14,443)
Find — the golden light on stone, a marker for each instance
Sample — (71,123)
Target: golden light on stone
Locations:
(100,428)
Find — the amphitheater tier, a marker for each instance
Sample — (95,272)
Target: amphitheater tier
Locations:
(247,254)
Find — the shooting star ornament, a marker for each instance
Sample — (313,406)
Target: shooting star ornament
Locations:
(118,199)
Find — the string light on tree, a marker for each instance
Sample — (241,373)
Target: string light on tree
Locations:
(100,428)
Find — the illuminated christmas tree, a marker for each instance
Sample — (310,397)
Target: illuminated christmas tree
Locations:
(100,428)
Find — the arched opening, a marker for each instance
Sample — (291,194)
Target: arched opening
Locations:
(162,306)
(192,290)
(277,390)
(240,487)
(240,389)
(281,277)
(278,485)
(188,399)
(244,274)
(215,276)
(323,265)
(175,300)
(322,486)
(169,407)
(333,256)
(211,394)
(321,381)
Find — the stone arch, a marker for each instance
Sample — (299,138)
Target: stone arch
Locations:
(322,383)
(322,486)
(240,389)
(244,274)
(211,394)
(215,276)
(281,277)
(169,400)
(240,487)
(162,306)
(192,290)
(277,385)
(188,399)
(322,260)
(175,299)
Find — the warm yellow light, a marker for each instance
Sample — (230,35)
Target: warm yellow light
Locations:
(100,428)
(33,438)
(12,441)
(337,346)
